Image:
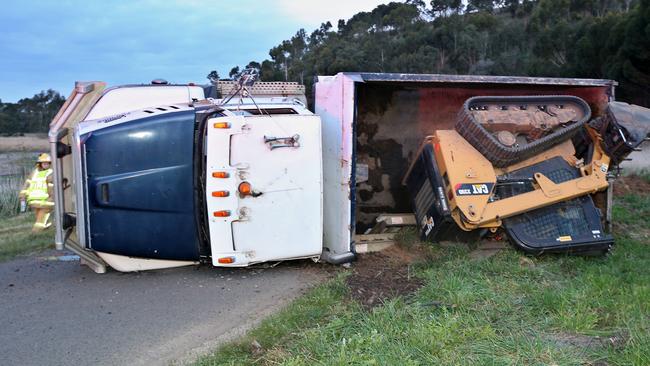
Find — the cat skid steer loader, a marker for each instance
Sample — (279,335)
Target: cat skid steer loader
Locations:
(531,167)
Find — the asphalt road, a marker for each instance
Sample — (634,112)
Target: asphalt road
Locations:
(62,313)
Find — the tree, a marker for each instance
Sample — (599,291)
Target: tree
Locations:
(631,65)
(213,76)
(571,38)
(254,65)
(234,72)
(480,5)
(30,114)
(445,7)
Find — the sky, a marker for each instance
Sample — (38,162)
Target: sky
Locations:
(52,44)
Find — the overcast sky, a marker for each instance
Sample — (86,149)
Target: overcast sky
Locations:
(51,44)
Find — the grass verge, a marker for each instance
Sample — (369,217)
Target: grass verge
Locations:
(504,310)
(9,202)
(16,237)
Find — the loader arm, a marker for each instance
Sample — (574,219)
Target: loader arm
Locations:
(593,179)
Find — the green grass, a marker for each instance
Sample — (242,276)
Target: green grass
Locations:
(16,237)
(499,311)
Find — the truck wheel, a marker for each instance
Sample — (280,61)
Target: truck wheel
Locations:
(521,107)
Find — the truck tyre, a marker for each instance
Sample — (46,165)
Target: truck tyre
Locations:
(501,155)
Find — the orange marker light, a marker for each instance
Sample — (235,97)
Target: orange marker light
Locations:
(220,194)
(245,188)
(222,213)
(220,175)
(226,260)
(222,125)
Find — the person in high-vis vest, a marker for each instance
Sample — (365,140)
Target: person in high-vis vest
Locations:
(38,192)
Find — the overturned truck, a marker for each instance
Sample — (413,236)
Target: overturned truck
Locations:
(155,176)
(525,159)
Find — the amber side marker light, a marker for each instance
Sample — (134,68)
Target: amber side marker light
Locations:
(220,175)
(226,260)
(222,125)
(245,189)
(222,213)
(220,194)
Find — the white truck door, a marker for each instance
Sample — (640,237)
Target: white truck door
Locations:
(264,188)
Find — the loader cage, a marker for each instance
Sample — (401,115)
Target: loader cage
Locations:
(373,124)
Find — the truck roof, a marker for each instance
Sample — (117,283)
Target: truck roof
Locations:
(482,79)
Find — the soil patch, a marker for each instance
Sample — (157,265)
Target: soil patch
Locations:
(617,341)
(631,184)
(381,276)
(488,248)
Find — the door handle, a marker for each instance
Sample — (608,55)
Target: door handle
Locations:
(101,193)
(278,142)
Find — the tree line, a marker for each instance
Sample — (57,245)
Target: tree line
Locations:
(30,114)
(604,39)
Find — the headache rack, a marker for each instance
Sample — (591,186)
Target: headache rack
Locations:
(265,89)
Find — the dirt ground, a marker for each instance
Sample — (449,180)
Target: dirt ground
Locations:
(380,276)
(631,184)
(29,142)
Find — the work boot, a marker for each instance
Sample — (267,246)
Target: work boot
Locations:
(42,219)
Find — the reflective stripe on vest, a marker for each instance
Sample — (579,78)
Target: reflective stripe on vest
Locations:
(37,190)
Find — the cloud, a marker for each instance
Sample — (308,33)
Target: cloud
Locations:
(314,12)
(51,44)
(130,41)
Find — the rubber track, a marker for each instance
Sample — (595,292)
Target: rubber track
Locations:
(502,156)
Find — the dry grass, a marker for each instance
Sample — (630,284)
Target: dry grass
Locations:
(29,142)
(9,188)
(14,168)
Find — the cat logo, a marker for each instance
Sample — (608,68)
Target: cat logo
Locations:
(476,189)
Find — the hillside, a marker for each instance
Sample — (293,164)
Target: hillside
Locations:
(567,38)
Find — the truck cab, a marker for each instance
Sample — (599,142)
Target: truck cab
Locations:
(157,176)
